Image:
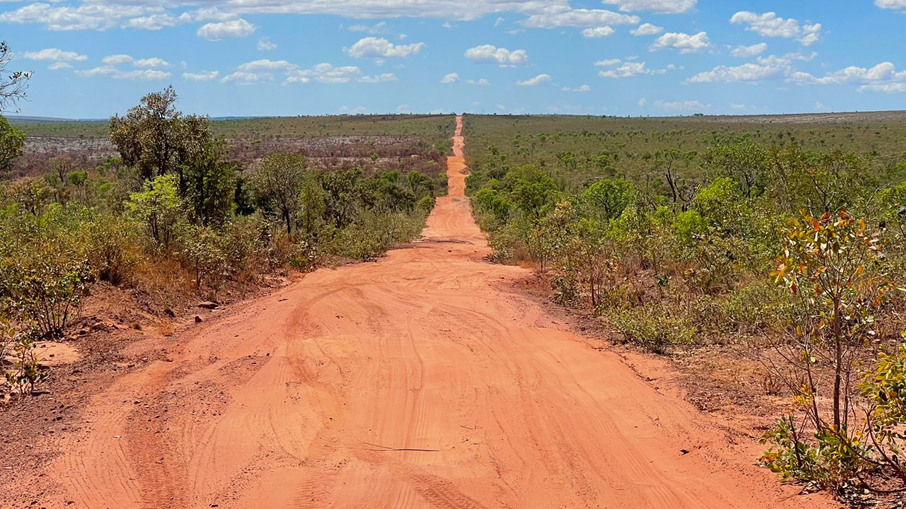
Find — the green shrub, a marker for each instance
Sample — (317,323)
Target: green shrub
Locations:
(653,327)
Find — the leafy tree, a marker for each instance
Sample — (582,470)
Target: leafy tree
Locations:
(744,162)
(12,141)
(277,182)
(157,139)
(159,207)
(610,197)
(209,185)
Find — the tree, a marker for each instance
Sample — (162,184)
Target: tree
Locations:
(12,141)
(278,182)
(744,162)
(12,83)
(209,185)
(156,139)
(159,207)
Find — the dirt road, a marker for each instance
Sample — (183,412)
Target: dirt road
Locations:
(418,381)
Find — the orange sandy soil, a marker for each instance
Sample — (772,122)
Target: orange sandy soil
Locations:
(422,380)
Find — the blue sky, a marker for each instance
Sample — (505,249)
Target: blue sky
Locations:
(94,58)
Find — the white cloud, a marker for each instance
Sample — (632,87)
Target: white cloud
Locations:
(378,28)
(765,68)
(247,78)
(642,102)
(617,69)
(116,59)
(646,29)
(540,79)
(891,4)
(151,62)
(749,51)
(769,24)
(54,54)
(488,54)
(559,16)
(118,74)
(152,23)
(887,88)
(329,74)
(201,76)
(583,88)
(93,16)
(879,77)
(479,83)
(265,44)
(267,66)
(597,32)
(682,105)
(377,47)
(658,6)
(226,30)
(453,77)
(57,66)
(685,43)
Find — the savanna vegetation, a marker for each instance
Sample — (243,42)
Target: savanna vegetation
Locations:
(178,211)
(784,236)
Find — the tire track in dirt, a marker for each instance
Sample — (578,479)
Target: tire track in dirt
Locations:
(412,382)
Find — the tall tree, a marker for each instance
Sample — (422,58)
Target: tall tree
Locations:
(278,183)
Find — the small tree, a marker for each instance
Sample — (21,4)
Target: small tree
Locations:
(830,264)
(12,141)
(159,207)
(278,182)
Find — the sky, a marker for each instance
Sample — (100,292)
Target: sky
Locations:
(95,58)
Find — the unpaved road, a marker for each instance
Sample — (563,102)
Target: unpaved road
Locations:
(418,381)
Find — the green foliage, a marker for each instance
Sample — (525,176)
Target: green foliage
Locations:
(159,207)
(278,183)
(654,328)
(12,141)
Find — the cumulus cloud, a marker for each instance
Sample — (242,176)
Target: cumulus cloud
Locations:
(151,62)
(749,51)
(685,43)
(583,88)
(765,68)
(881,77)
(201,76)
(118,74)
(540,79)
(116,59)
(57,66)
(618,69)
(329,74)
(681,105)
(658,6)
(597,32)
(479,83)
(55,55)
(488,54)
(265,44)
(646,29)
(453,77)
(891,4)
(226,30)
(94,16)
(559,16)
(769,24)
(379,48)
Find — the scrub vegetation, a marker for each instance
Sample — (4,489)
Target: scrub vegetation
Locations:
(785,236)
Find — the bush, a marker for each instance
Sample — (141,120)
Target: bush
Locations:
(653,327)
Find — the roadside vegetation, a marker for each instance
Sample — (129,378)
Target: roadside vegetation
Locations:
(784,237)
(175,214)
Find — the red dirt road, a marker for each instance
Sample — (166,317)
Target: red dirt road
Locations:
(418,381)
